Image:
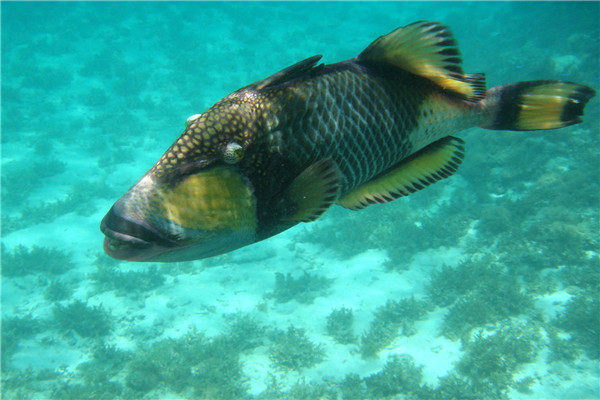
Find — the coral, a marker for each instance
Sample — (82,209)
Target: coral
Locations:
(47,78)
(339,325)
(354,233)
(566,350)
(584,276)
(523,385)
(479,293)
(94,97)
(490,359)
(56,291)
(565,64)
(21,327)
(455,387)
(76,200)
(15,329)
(399,375)
(103,390)
(243,331)
(273,391)
(494,220)
(304,289)
(107,361)
(36,260)
(467,313)
(85,321)
(309,391)
(395,317)
(301,390)
(447,284)
(143,376)
(127,283)
(581,318)
(28,383)
(352,387)
(486,305)
(292,350)
(559,242)
(209,367)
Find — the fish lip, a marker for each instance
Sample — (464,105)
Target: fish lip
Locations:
(123,238)
(132,239)
(128,248)
(125,250)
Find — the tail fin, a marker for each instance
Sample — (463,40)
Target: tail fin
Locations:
(533,105)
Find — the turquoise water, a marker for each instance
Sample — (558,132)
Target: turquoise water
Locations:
(482,286)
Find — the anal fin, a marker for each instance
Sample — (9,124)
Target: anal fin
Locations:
(313,192)
(435,162)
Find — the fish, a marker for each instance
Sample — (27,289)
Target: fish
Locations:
(287,148)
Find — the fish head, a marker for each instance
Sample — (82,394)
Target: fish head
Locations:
(196,201)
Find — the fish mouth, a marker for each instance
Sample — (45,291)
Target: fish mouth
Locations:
(132,240)
(199,216)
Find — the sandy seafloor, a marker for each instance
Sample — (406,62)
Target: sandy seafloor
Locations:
(94,93)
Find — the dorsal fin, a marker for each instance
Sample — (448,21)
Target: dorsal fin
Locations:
(429,50)
(287,74)
(437,161)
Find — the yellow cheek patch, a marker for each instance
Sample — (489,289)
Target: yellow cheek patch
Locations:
(211,200)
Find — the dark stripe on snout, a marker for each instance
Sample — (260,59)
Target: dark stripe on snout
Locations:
(136,232)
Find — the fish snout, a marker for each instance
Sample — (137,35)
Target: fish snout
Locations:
(201,215)
(128,237)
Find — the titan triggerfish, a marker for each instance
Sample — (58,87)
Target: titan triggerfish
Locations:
(285,149)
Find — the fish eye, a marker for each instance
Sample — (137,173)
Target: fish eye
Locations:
(191,119)
(233,153)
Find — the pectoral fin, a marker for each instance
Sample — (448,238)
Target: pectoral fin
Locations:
(313,191)
(437,161)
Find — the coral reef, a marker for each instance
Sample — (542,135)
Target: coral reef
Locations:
(210,368)
(390,320)
(76,199)
(339,325)
(581,318)
(491,358)
(399,375)
(562,349)
(243,331)
(35,260)
(447,284)
(57,290)
(292,350)
(301,390)
(29,383)
(352,387)
(15,329)
(585,276)
(86,321)
(127,283)
(304,289)
(103,389)
(477,292)
(376,232)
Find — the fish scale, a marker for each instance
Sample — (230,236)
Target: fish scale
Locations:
(372,119)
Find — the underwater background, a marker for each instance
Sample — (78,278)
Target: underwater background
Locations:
(483,286)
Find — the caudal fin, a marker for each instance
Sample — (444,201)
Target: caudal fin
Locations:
(534,105)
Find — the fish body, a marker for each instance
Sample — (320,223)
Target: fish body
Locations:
(285,149)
